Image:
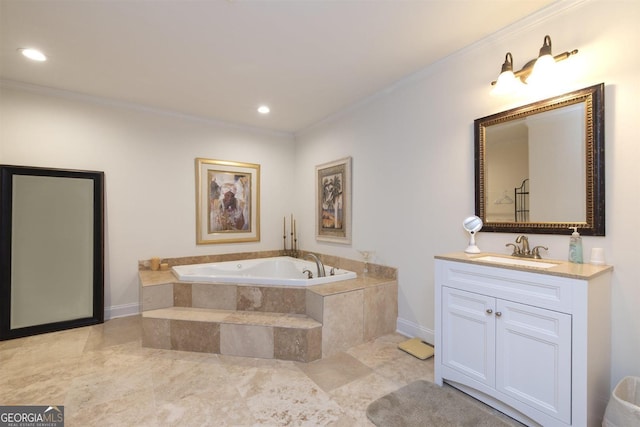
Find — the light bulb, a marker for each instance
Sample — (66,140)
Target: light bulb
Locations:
(543,71)
(507,83)
(33,54)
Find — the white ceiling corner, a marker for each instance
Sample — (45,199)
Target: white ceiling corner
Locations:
(221,59)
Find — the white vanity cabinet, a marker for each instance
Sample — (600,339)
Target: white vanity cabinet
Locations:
(532,343)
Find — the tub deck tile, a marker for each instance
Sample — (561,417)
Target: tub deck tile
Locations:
(150,278)
(271,299)
(237,333)
(188,313)
(300,345)
(203,337)
(283,320)
(246,340)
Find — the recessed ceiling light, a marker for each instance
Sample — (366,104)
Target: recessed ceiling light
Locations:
(263,109)
(33,54)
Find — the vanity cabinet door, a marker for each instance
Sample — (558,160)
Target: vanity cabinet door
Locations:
(542,354)
(533,357)
(519,350)
(469,327)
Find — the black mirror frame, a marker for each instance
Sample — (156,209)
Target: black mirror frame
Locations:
(593,96)
(7,172)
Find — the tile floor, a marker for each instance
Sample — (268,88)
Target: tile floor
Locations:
(103,377)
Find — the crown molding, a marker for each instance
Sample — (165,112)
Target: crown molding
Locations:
(523,25)
(63,93)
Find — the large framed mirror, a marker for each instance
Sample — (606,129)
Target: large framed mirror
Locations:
(539,168)
(51,250)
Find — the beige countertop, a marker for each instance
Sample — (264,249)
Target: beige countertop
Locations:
(562,268)
(150,278)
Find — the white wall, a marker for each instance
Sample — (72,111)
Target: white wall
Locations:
(412,147)
(149,164)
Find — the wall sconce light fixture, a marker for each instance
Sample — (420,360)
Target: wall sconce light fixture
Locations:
(535,71)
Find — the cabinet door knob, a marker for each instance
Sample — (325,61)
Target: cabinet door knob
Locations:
(498,313)
(489,311)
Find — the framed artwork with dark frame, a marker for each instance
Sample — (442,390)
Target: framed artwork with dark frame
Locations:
(333,201)
(227,202)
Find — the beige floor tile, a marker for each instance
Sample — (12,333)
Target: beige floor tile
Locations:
(110,383)
(204,410)
(406,368)
(287,397)
(37,389)
(335,371)
(114,332)
(103,376)
(379,351)
(135,409)
(178,379)
(355,396)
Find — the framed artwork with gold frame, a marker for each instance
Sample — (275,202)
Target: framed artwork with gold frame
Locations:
(227,202)
(333,201)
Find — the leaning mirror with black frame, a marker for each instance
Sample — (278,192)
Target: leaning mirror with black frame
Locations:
(539,168)
(51,250)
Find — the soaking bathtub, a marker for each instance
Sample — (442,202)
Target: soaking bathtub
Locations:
(275,271)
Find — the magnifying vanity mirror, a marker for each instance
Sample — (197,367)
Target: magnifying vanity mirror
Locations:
(539,168)
(472,224)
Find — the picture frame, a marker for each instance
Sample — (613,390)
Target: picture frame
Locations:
(333,201)
(227,201)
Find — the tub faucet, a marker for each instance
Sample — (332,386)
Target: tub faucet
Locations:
(319,264)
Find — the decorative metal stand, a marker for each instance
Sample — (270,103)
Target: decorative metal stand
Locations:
(293,250)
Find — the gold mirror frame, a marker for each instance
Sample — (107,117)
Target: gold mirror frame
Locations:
(593,99)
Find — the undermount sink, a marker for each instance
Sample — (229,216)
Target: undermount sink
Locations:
(516,261)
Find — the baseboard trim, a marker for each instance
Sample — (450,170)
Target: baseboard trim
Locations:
(122,310)
(411,329)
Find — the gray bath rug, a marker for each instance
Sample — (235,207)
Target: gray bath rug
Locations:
(424,404)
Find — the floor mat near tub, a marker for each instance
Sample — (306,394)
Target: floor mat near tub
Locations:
(417,348)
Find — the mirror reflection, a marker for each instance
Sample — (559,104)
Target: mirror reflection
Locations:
(539,168)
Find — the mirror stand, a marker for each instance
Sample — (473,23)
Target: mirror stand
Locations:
(472,224)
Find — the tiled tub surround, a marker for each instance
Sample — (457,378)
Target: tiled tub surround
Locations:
(292,323)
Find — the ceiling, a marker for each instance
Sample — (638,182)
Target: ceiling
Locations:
(221,59)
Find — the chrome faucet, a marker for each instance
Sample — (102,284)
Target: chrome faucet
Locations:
(319,264)
(524,251)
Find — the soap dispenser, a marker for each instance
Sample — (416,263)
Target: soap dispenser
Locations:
(575,247)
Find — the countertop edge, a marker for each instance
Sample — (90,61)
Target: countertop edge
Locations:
(562,269)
